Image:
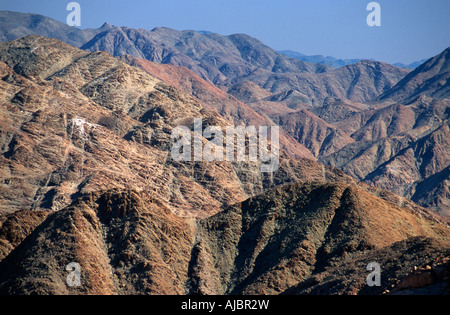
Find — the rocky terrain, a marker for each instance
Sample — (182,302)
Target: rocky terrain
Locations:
(75,122)
(229,60)
(15,25)
(236,112)
(219,59)
(312,238)
(87,176)
(336,115)
(430,79)
(399,144)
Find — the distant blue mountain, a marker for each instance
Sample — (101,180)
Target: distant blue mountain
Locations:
(204,32)
(326,60)
(413,65)
(337,63)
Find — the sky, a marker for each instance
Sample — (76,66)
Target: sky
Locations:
(411,30)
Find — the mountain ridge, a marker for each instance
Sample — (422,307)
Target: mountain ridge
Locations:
(429,79)
(127,242)
(86,173)
(337,62)
(14,25)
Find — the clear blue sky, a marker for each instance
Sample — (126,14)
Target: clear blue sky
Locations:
(411,30)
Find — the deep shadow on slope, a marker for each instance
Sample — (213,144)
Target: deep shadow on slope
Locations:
(127,242)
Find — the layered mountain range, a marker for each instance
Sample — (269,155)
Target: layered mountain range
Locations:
(337,63)
(87,175)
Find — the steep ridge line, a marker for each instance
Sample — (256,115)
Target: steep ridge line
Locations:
(129,243)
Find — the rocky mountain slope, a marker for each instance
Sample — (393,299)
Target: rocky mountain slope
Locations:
(86,173)
(402,148)
(235,111)
(230,60)
(75,122)
(361,82)
(87,178)
(289,240)
(15,25)
(216,58)
(395,144)
(291,99)
(430,79)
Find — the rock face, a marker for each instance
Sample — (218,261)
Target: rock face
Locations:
(87,176)
(404,279)
(75,122)
(402,148)
(211,97)
(216,58)
(125,242)
(284,241)
(15,25)
(430,79)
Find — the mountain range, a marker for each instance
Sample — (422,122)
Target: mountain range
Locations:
(337,63)
(87,175)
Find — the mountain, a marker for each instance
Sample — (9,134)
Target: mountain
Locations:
(317,135)
(225,61)
(326,60)
(235,111)
(74,122)
(361,82)
(402,148)
(412,65)
(290,97)
(430,79)
(87,176)
(216,58)
(337,63)
(229,60)
(128,242)
(15,25)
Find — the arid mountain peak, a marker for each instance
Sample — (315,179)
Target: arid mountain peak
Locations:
(15,25)
(87,175)
(430,79)
(216,58)
(75,122)
(127,242)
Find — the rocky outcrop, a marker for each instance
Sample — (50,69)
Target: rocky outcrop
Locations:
(15,25)
(85,122)
(290,240)
(430,79)
(400,148)
(218,59)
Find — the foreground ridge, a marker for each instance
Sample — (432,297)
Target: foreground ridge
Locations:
(295,239)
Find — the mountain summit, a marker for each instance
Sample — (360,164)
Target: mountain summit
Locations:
(88,178)
(289,240)
(431,79)
(15,25)
(216,58)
